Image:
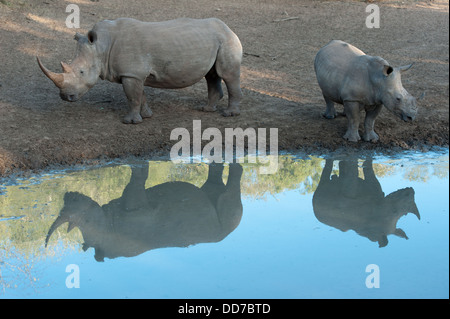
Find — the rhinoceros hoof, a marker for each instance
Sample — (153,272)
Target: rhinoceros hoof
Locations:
(209,108)
(371,137)
(132,119)
(146,112)
(232,112)
(352,137)
(329,116)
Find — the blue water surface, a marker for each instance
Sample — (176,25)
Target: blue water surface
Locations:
(283,247)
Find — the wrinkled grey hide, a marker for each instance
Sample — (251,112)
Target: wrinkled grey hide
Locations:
(348,76)
(171,54)
(348,202)
(173,214)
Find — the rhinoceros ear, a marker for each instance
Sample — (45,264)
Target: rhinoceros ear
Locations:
(405,67)
(77,36)
(387,69)
(92,36)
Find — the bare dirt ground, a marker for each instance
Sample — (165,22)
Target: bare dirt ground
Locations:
(280,40)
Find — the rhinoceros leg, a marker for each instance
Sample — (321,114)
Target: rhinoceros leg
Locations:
(330,112)
(234,97)
(215,93)
(229,205)
(214,185)
(371,181)
(352,112)
(133,90)
(145,109)
(369,122)
(228,67)
(133,196)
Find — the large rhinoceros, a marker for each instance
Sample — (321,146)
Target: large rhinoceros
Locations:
(171,54)
(348,202)
(173,214)
(348,76)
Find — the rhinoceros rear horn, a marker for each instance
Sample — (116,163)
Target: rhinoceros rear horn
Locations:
(66,68)
(57,78)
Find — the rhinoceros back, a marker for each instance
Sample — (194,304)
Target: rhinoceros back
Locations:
(169,54)
(339,66)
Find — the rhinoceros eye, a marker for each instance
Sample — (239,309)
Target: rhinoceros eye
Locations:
(81,72)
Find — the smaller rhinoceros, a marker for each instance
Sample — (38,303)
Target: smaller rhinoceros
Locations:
(170,54)
(346,201)
(348,76)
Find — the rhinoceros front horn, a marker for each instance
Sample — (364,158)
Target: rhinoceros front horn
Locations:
(58,222)
(57,78)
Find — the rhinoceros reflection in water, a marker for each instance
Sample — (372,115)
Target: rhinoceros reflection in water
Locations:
(173,214)
(349,202)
